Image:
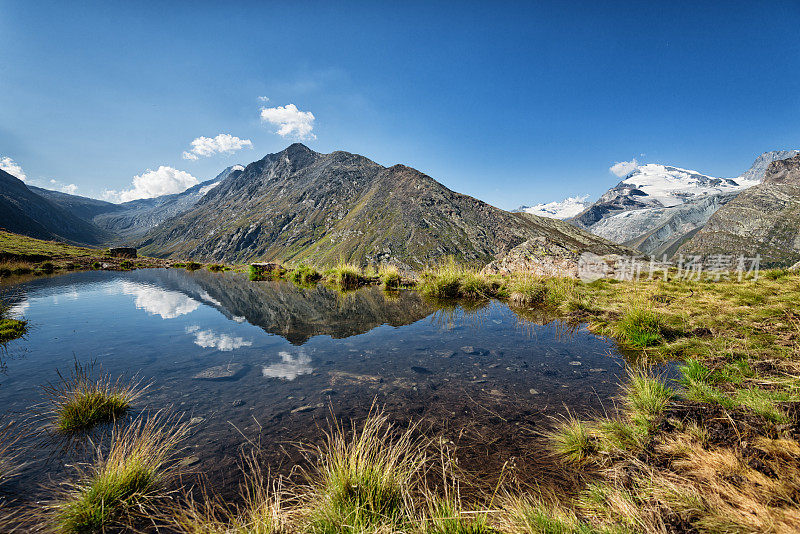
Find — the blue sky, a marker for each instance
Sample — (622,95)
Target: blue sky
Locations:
(515,102)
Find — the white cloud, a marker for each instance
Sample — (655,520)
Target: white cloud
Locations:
(70,189)
(291,122)
(208,339)
(203,147)
(157,301)
(264,99)
(150,184)
(623,168)
(289,367)
(12,168)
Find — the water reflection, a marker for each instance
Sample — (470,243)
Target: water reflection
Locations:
(267,355)
(157,301)
(290,366)
(210,339)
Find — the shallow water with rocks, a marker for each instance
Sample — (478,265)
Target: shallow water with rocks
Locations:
(272,364)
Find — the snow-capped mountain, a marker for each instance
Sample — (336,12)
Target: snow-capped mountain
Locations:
(655,205)
(655,185)
(569,207)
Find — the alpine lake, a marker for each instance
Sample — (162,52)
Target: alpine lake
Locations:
(274,365)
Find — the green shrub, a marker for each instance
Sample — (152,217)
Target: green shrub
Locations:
(193,266)
(215,267)
(126,265)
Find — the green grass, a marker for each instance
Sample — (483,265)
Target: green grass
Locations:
(304,275)
(645,398)
(345,276)
(571,439)
(390,277)
(362,483)
(193,266)
(445,516)
(215,267)
(640,327)
(528,514)
(81,400)
(12,329)
(126,481)
(30,249)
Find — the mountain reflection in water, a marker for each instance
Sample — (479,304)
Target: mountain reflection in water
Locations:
(270,361)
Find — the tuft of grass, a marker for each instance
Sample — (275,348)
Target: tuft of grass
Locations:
(83,400)
(304,275)
(572,440)
(616,435)
(362,483)
(215,267)
(640,327)
(126,265)
(449,280)
(260,511)
(193,266)
(12,329)
(535,515)
(140,463)
(645,397)
(445,516)
(345,276)
(9,436)
(526,290)
(390,276)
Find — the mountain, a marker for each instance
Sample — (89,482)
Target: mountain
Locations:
(656,208)
(133,219)
(122,223)
(764,220)
(569,207)
(82,207)
(22,211)
(302,206)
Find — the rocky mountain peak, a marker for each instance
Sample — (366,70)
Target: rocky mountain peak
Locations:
(785,171)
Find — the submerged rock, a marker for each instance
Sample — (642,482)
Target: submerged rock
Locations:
(220,372)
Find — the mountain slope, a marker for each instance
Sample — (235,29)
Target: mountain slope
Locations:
(133,219)
(24,212)
(764,219)
(300,205)
(82,207)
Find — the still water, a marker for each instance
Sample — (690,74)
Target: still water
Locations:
(271,363)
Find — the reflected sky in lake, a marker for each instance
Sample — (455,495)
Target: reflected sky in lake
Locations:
(272,359)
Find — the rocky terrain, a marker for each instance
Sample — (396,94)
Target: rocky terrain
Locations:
(302,206)
(764,219)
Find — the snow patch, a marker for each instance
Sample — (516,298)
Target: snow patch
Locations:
(569,207)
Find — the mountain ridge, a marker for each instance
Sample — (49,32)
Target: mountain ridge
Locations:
(302,206)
